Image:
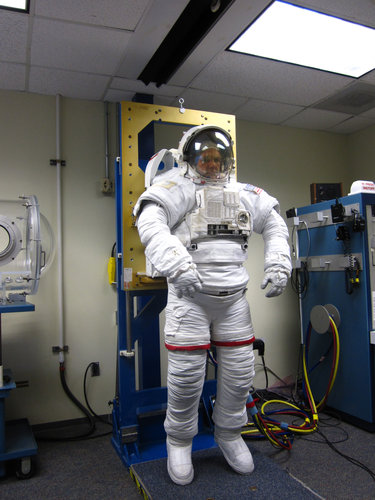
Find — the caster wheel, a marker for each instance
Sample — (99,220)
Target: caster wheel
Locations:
(26,467)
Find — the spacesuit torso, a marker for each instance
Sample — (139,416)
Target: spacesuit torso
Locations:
(215,234)
(213,223)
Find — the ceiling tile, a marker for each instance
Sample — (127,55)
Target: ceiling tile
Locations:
(368,77)
(316,119)
(266,111)
(351,125)
(264,79)
(13,36)
(116,13)
(76,47)
(12,76)
(368,115)
(67,83)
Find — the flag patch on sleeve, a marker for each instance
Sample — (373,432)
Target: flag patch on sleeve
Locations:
(255,189)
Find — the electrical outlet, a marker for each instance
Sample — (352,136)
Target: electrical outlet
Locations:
(95,369)
(259,346)
(106,185)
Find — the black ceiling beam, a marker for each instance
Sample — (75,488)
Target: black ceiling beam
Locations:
(197,19)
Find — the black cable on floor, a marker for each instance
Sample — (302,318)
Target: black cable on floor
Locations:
(352,460)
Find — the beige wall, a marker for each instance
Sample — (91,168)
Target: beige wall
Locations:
(27,143)
(284,161)
(362,155)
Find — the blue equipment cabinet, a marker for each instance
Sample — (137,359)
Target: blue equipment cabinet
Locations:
(17,441)
(334,256)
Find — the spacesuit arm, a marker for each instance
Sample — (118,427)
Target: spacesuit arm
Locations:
(277,263)
(165,251)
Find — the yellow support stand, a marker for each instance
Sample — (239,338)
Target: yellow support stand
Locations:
(134,118)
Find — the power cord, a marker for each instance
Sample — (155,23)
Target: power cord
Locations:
(87,401)
(281,434)
(88,412)
(350,459)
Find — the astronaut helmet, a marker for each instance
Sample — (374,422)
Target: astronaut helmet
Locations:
(208,152)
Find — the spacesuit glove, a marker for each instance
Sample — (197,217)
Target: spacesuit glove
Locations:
(186,281)
(277,278)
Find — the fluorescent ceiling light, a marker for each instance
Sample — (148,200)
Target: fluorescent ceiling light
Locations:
(301,36)
(15,4)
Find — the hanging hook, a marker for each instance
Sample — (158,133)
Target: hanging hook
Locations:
(181,101)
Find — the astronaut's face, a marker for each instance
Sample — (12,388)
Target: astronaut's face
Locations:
(209,164)
(208,152)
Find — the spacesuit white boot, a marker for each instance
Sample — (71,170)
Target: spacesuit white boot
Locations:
(186,372)
(235,374)
(234,449)
(179,464)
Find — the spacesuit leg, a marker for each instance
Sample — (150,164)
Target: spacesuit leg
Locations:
(235,375)
(186,373)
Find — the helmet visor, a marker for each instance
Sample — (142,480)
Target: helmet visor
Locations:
(209,152)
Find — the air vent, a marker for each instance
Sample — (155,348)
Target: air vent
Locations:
(354,100)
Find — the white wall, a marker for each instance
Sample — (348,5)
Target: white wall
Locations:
(284,161)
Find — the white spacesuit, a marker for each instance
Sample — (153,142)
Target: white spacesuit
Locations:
(195,223)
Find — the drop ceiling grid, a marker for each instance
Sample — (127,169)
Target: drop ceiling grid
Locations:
(82,50)
(264,79)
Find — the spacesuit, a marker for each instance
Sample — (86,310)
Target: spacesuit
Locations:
(195,222)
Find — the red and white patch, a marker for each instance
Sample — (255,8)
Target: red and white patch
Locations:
(255,189)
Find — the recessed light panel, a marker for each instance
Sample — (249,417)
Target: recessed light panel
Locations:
(297,35)
(22,5)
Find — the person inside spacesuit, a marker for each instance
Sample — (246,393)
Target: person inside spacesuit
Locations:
(195,223)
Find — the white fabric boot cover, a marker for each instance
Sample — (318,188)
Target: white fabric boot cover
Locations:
(186,372)
(180,467)
(235,450)
(235,375)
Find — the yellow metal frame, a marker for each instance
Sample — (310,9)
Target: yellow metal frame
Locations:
(134,118)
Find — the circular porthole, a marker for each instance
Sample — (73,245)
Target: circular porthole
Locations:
(10,240)
(26,245)
(4,240)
